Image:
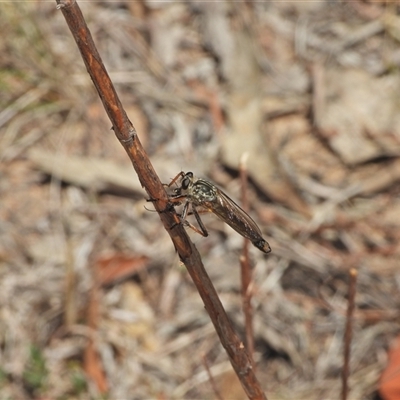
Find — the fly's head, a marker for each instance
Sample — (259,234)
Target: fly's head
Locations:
(198,191)
(187,181)
(185,184)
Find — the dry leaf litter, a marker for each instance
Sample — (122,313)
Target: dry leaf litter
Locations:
(93,299)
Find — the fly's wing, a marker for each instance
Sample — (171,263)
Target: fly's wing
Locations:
(227,210)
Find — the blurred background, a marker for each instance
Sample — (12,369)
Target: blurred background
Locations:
(93,299)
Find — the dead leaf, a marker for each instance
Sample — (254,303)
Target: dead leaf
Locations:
(92,362)
(116,267)
(96,173)
(93,368)
(389,387)
(88,172)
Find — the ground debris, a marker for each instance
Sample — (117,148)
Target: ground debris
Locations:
(93,299)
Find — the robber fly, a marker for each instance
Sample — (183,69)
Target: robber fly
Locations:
(203,194)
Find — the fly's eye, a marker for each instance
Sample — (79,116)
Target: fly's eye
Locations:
(185,183)
(187,180)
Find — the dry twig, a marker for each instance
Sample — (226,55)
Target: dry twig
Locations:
(211,378)
(348,332)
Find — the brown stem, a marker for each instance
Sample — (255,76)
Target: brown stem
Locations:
(211,378)
(348,332)
(126,134)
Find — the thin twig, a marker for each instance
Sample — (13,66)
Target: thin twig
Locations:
(70,314)
(126,134)
(211,378)
(245,267)
(348,332)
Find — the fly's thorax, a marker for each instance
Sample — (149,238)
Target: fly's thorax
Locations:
(203,191)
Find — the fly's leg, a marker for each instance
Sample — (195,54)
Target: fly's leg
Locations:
(182,216)
(200,222)
(185,212)
(197,230)
(170,206)
(177,200)
(174,199)
(180,175)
